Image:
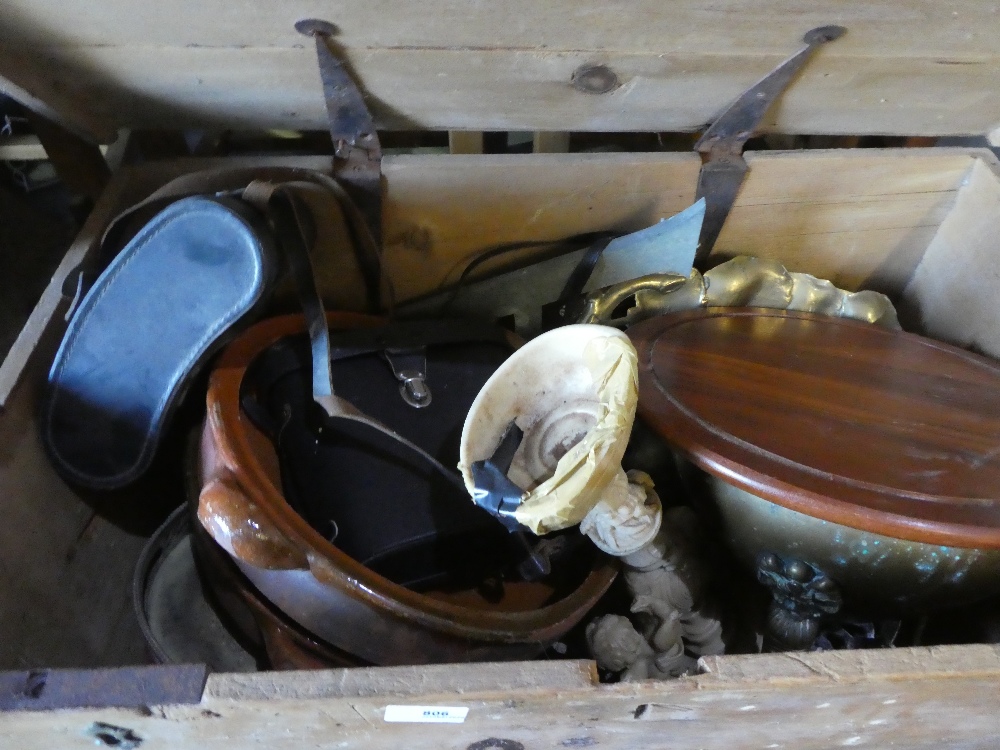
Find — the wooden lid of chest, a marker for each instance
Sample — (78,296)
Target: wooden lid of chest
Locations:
(907,67)
(844,421)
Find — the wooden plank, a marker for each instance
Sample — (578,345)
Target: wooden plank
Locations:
(66,596)
(862,223)
(904,698)
(952,295)
(21,148)
(550,142)
(27,148)
(55,102)
(465,142)
(79,163)
(513,198)
(861,219)
(878,28)
(912,67)
(257,88)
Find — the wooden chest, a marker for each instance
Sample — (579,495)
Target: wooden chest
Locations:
(921,225)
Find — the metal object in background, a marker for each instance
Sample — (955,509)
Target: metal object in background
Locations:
(721,146)
(666,247)
(880,576)
(174,612)
(409,366)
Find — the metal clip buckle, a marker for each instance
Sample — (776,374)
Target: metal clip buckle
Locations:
(409,366)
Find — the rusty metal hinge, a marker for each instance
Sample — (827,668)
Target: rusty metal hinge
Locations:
(357,152)
(721,147)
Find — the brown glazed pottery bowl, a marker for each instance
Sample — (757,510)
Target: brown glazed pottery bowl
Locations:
(330,594)
(871,454)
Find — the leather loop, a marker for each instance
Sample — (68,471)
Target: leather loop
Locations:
(288,214)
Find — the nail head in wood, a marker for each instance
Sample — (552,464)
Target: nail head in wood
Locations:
(315,27)
(594,79)
(824,34)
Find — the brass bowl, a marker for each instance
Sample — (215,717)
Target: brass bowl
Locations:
(865,457)
(879,574)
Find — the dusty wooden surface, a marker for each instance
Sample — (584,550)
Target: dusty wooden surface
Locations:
(918,67)
(954,289)
(902,698)
(65,599)
(860,219)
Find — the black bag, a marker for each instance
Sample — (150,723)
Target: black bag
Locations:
(372,495)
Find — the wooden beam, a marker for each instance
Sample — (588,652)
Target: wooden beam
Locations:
(22,148)
(904,698)
(79,163)
(29,148)
(56,105)
(465,141)
(953,292)
(257,88)
(908,67)
(551,142)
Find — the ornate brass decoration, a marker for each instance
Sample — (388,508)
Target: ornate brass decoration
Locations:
(741,282)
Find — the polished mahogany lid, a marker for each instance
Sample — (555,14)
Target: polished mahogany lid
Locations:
(877,429)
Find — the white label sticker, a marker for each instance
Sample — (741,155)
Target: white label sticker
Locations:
(427,714)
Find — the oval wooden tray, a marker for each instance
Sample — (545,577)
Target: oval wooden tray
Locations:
(873,428)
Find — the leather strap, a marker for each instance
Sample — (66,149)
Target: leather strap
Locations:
(568,306)
(266,369)
(291,220)
(584,269)
(292,226)
(277,363)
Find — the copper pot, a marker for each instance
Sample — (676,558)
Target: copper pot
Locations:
(330,594)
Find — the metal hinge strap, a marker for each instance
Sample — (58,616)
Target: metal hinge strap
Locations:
(724,169)
(357,151)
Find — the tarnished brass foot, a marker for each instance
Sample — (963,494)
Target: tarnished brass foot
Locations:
(802,596)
